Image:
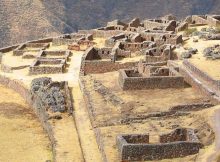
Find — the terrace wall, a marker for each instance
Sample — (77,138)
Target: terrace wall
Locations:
(196,19)
(212,21)
(202,75)
(200,87)
(34,103)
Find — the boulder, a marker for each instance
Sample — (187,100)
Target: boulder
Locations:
(192,50)
(186,55)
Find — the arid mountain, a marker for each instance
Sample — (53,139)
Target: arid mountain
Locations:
(32,19)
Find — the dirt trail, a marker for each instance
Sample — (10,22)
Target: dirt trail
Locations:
(85,130)
(68,145)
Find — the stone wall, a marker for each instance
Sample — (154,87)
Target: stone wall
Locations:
(107,94)
(179,143)
(200,87)
(104,53)
(8,69)
(150,25)
(140,83)
(100,33)
(199,19)
(202,75)
(191,107)
(34,103)
(94,67)
(100,143)
(213,21)
(43,66)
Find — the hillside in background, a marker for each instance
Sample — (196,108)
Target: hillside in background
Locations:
(32,19)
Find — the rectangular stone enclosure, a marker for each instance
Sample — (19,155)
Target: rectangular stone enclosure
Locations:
(47,66)
(133,80)
(179,143)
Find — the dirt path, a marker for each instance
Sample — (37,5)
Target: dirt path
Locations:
(85,130)
(68,146)
(86,134)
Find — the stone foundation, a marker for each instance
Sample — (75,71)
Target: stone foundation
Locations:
(47,66)
(179,143)
(131,80)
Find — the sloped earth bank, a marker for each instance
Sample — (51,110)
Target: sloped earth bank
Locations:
(21,134)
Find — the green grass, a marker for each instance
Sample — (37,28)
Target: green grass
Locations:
(190,31)
(217,29)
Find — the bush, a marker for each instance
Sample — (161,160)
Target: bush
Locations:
(190,31)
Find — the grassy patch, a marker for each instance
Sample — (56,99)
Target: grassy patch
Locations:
(190,31)
(217,29)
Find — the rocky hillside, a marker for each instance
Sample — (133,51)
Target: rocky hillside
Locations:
(31,19)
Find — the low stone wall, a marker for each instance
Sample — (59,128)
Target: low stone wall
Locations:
(150,25)
(96,66)
(212,21)
(35,70)
(179,143)
(202,75)
(7,49)
(140,83)
(107,94)
(191,107)
(58,66)
(100,143)
(9,69)
(101,33)
(151,59)
(201,88)
(197,19)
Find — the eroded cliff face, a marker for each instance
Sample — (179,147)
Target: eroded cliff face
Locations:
(32,19)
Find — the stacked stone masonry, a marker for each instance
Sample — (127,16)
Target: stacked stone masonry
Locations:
(179,143)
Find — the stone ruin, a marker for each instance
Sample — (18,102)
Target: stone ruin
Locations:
(211,20)
(158,54)
(49,62)
(155,39)
(212,52)
(74,41)
(71,38)
(167,23)
(188,53)
(158,36)
(59,54)
(26,48)
(53,96)
(150,76)
(137,147)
